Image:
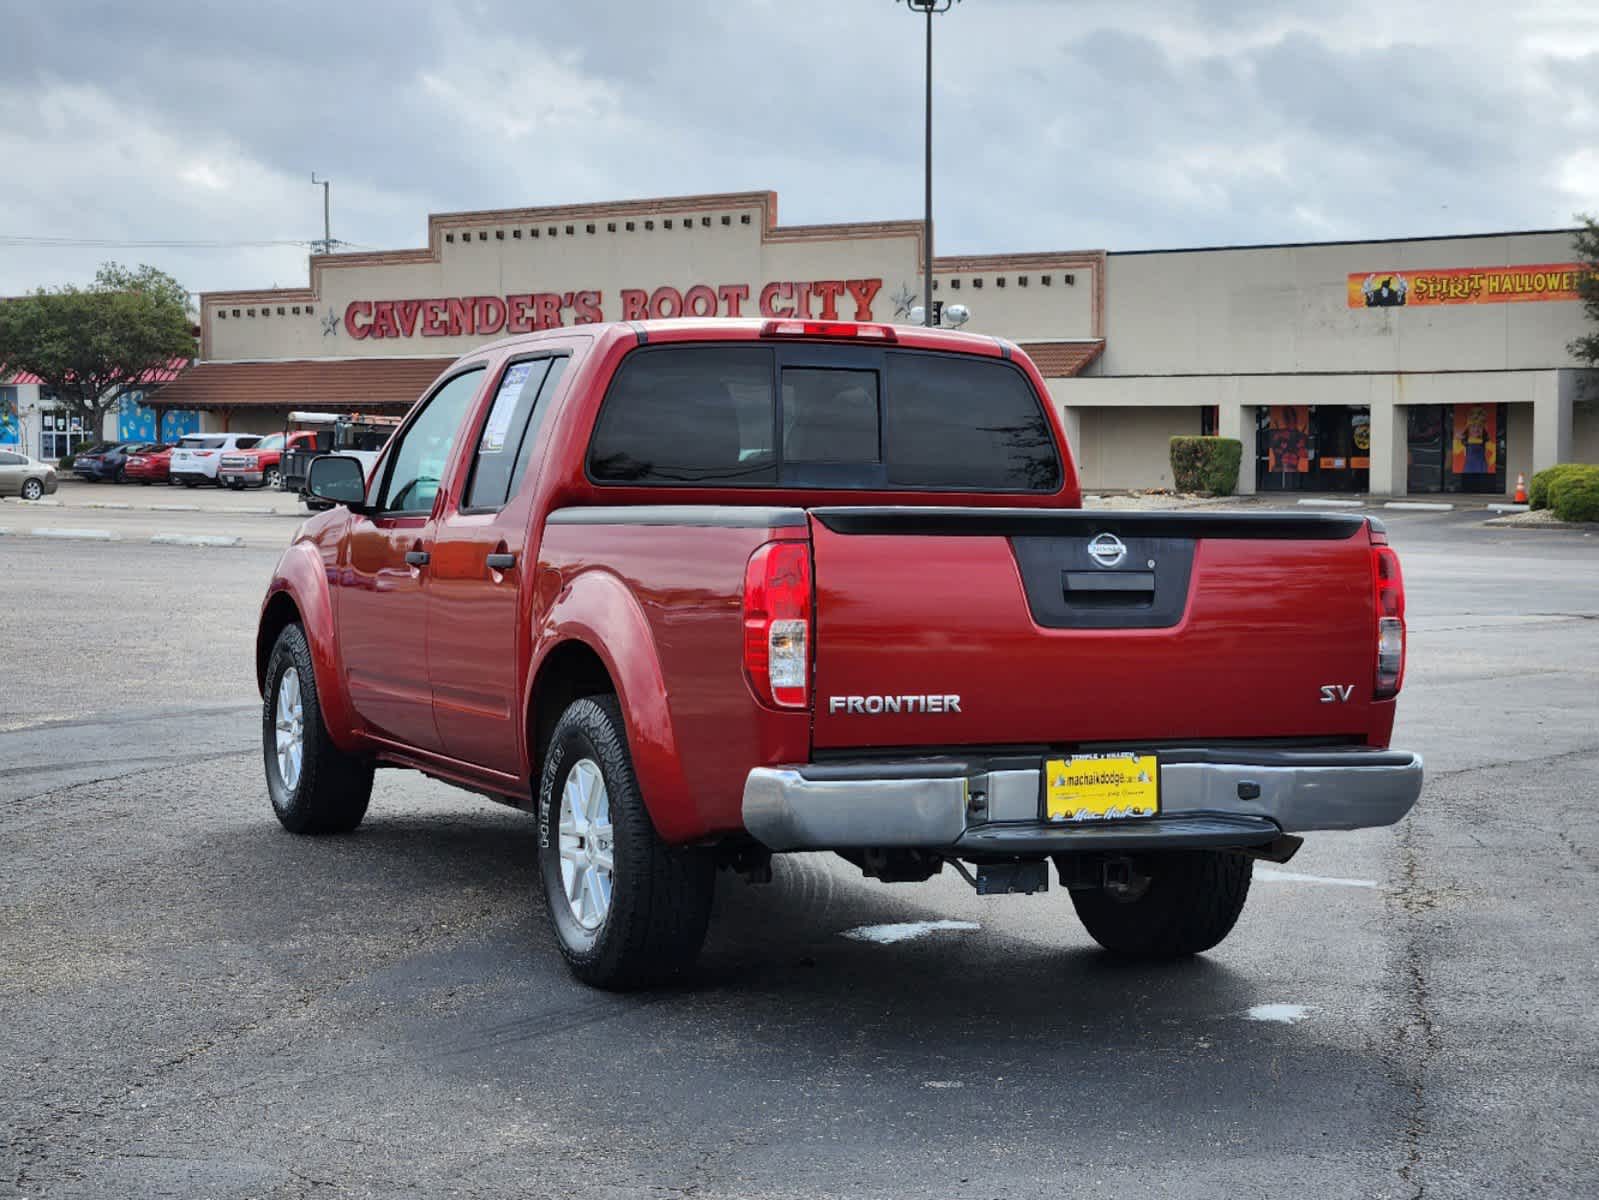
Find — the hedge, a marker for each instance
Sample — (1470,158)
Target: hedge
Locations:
(1574,495)
(1206,464)
(1538,491)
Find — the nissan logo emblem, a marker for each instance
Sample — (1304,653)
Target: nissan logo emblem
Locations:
(1107,550)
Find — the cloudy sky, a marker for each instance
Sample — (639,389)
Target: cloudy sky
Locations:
(1061,124)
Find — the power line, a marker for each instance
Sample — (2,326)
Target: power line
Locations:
(10,239)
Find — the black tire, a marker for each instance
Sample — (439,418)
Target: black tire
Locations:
(1191,904)
(122,475)
(32,489)
(332,789)
(660,897)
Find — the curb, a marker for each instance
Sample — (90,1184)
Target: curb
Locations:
(173,508)
(77,535)
(1508,508)
(1418,506)
(105,504)
(1312,502)
(195,539)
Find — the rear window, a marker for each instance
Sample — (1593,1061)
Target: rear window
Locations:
(203,443)
(823,417)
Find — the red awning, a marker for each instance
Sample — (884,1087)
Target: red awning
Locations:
(339,384)
(151,378)
(1059,360)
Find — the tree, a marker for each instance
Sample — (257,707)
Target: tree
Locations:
(91,345)
(1587,247)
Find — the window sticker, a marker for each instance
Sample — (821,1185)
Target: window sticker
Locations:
(499,422)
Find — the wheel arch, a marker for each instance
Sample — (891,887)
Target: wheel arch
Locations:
(299,595)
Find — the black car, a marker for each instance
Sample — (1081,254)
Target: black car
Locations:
(107,460)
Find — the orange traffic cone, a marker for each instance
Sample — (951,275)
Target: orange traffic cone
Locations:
(1521,489)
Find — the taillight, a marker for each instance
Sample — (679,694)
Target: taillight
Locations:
(1388,602)
(777,623)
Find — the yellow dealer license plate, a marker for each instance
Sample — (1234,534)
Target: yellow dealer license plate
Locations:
(1101,787)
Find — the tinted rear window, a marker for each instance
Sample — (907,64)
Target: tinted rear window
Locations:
(203,443)
(695,415)
(966,423)
(876,420)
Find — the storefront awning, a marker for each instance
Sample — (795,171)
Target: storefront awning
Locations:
(339,384)
(1059,360)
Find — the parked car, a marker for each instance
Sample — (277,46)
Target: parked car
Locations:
(149,464)
(260,466)
(25,477)
(96,464)
(699,592)
(197,457)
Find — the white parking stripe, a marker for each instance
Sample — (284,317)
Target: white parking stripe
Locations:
(1273,875)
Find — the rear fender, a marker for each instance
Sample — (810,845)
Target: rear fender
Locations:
(596,608)
(302,580)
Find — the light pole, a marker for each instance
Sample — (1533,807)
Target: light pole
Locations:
(930,9)
(327,224)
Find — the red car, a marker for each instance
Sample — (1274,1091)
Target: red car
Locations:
(149,464)
(261,464)
(699,592)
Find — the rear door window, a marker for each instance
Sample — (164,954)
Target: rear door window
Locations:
(830,415)
(509,430)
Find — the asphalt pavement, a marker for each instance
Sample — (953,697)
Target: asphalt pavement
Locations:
(193,1003)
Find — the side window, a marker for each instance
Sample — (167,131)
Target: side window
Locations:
(10,460)
(419,456)
(701,414)
(830,416)
(497,467)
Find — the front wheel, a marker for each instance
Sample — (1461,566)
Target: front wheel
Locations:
(1186,903)
(627,909)
(274,478)
(315,786)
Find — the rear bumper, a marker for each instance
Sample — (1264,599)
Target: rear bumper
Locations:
(1222,797)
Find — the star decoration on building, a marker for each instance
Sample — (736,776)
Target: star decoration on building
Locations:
(330,324)
(903,300)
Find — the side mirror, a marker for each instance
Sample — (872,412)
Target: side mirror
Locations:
(338,478)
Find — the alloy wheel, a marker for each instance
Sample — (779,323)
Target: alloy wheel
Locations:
(586,845)
(289,715)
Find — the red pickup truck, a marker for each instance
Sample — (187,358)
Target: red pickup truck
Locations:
(696,592)
(261,464)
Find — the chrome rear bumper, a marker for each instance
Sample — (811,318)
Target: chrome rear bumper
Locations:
(1223,797)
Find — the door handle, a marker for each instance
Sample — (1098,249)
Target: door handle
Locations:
(416,558)
(501,561)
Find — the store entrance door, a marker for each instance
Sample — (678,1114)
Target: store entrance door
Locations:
(1313,448)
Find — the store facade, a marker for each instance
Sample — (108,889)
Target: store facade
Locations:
(1389,367)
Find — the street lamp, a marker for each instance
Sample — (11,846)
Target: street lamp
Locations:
(929,8)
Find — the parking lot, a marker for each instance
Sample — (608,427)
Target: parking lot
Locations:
(195,1003)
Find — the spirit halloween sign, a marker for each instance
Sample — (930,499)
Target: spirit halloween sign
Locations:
(1464,285)
(523,312)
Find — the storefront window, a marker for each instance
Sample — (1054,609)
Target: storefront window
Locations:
(1456,448)
(1313,448)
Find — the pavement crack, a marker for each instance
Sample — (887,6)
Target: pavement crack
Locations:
(1416,1040)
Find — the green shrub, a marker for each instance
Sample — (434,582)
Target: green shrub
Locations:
(1206,464)
(1574,495)
(64,463)
(1538,490)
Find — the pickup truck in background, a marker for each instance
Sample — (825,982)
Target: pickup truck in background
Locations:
(260,464)
(697,592)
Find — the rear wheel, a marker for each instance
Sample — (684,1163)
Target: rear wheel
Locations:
(1185,903)
(315,786)
(627,909)
(32,489)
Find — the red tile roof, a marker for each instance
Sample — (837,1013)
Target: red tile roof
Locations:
(1058,360)
(151,378)
(349,383)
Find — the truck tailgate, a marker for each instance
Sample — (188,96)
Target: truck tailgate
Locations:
(1179,628)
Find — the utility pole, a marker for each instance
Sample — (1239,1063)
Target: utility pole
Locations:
(930,8)
(326,244)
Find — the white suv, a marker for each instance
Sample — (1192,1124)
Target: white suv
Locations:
(197,457)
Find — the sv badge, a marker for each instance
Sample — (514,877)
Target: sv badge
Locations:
(1336,693)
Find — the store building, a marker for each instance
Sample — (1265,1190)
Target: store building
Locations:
(1420,365)
(32,422)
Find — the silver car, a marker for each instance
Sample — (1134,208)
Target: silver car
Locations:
(24,476)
